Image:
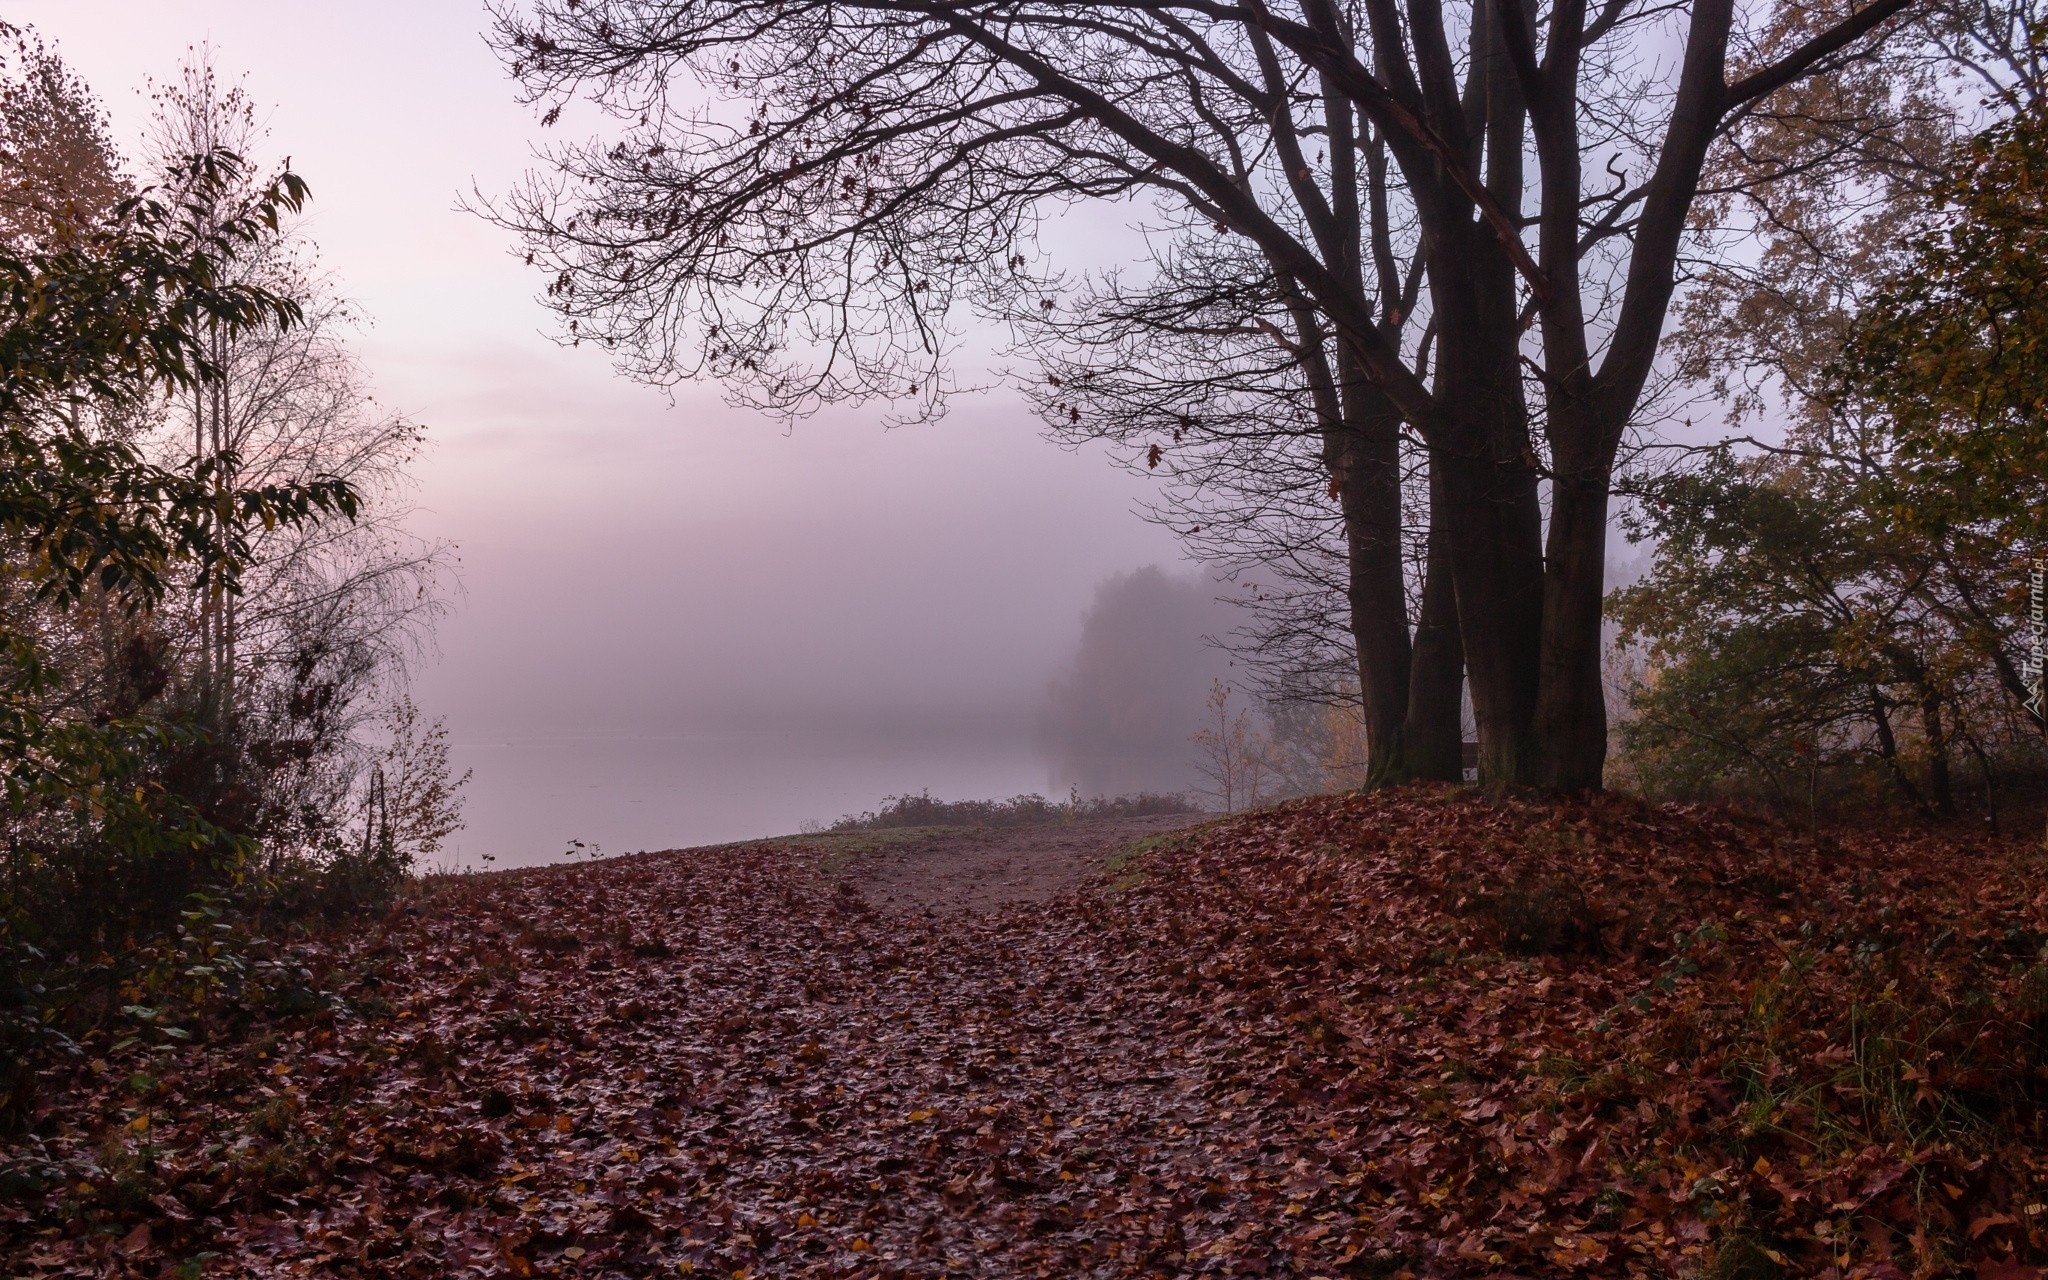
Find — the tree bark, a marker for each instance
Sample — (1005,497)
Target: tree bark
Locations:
(1498,568)
(1367,468)
(1571,714)
(1435,737)
(1488,501)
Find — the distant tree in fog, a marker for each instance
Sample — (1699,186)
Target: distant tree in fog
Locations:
(1119,718)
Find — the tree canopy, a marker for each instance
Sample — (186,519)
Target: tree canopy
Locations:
(862,169)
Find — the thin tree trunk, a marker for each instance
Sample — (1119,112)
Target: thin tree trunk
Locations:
(1888,748)
(1361,443)
(1940,787)
(205,593)
(1985,771)
(1436,678)
(1370,476)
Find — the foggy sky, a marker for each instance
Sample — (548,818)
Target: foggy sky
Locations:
(631,565)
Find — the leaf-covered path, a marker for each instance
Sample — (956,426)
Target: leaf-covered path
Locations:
(1348,1037)
(978,869)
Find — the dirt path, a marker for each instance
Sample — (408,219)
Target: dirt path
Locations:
(975,869)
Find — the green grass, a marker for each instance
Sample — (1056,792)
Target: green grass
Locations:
(1127,863)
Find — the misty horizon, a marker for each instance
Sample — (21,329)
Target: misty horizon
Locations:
(749,772)
(638,565)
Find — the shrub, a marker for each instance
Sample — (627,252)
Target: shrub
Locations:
(921,810)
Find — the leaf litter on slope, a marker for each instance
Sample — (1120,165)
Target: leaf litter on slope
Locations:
(1413,1032)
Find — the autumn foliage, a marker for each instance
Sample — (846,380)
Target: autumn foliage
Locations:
(1408,1033)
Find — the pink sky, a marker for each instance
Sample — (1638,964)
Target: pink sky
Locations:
(631,566)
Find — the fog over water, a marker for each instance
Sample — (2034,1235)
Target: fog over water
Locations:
(679,622)
(1118,717)
(532,797)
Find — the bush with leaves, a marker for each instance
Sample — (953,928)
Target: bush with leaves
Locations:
(96,322)
(1955,351)
(1847,609)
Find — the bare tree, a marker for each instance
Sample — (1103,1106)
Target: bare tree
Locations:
(301,666)
(868,164)
(1232,753)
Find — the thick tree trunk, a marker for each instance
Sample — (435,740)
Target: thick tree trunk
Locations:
(1571,712)
(1488,506)
(1436,679)
(1488,497)
(1496,560)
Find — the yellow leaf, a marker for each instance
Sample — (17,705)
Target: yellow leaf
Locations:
(861,1246)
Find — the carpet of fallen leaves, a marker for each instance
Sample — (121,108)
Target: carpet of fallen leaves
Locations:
(1410,1033)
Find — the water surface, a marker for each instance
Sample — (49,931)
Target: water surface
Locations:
(529,798)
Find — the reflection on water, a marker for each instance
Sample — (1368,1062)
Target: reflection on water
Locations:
(529,798)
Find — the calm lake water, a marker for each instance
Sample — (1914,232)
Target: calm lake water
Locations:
(529,798)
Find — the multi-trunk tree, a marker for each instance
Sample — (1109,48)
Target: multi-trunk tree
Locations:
(804,190)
